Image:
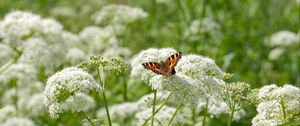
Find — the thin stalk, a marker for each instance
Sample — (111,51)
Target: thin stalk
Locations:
(193,115)
(106,108)
(232,110)
(104,98)
(156,111)
(125,91)
(12,61)
(88,119)
(153,108)
(205,113)
(283,109)
(5,66)
(17,96)
(177,109)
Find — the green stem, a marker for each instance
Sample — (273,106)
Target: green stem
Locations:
(153,108)
(176,111)
(156,111)
(15,82)
(88,119)
(5,66)
(232,110)
(203,9)
(205,113)
(283,109)
(125,91)
(106,108)
(12,61)
(104,98)
(193,115)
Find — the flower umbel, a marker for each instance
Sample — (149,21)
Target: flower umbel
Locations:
(65,88)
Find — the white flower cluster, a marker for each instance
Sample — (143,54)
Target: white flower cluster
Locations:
(195,75)
(284,38)
(5,53)
(277,105)
(147,100)
(27,25)
(217,107)
(39,41)
(21,83)
(141,110)
(118,14)
(69,88)
(75,55)
(104,40)
(23,74)
(204,26)
(61,11)
(17,121)
(281,41)
(119,111)
(8,117)
(161,118)
(7,112)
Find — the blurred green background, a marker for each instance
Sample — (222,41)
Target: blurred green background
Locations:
(240,48)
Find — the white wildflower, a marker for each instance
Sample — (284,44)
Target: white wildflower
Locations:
(7,112)
(89,33)
(216,107)
(147,100)
(44,52)
(204,26)
(117,52)
(64,86)
(98,39)
(257,122)
(118,14)
(79,102)
(24,93)
(196,66)
(27,25)
(37,52)
(284,38)
(24,22)
(23,74)
(18,121)
(71,39)
(161,118)
(149,55)
(6,54)
(75,56)
(119,111)
(34,106)
(55,109)
(272,100)
(266,92)
(276,53)
(50,26)
(227,60)
(62,11)
(193,73)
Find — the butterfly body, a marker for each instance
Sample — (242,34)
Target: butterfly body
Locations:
(164,68)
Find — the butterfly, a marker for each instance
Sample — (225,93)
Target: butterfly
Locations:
(164,68)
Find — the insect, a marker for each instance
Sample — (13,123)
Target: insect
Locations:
(164,68)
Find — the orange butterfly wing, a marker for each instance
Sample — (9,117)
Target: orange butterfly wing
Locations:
(155,67)
(171,63)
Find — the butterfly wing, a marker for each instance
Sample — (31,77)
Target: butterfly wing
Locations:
(171,63)
(155,67)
